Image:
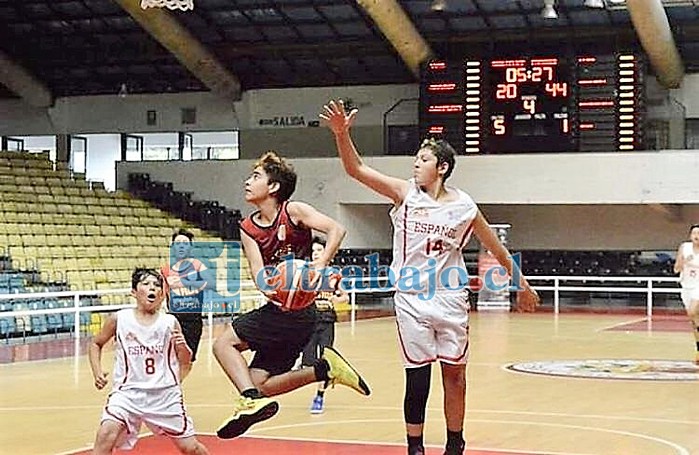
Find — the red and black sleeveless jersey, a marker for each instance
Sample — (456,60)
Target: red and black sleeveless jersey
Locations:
(282,238)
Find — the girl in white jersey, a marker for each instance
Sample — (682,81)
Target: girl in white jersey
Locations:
(432,223)
(687,265)
(150,356)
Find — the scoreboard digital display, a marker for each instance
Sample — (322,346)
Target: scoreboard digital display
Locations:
(535,104)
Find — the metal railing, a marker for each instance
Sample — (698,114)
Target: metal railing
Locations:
(646,285)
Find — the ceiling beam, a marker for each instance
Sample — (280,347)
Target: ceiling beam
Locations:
(163,26)
(400,31)
(20,81)
(654,33)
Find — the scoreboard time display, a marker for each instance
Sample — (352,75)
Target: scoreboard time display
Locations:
(535,104)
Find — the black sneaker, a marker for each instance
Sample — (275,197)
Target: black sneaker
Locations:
(341,372)
(459,450)
(247,412)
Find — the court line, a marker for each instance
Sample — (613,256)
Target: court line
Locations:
(384,408)
(634,321)
(679,449)
(346,441)
(92,446)
(402,444)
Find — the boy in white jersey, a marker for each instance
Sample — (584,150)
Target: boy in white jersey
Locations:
(687,265)
(150,356)
(432,223)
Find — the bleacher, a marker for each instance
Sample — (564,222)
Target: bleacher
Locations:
(61,232)
(57,224)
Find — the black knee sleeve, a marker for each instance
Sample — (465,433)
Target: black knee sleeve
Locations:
(417,389)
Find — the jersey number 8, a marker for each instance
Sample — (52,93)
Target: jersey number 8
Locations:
(150,365)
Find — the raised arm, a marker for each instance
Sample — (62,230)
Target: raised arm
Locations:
(339,122)
(334,232)
(527,299)
(95,351)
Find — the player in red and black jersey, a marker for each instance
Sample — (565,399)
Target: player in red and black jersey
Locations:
(278,228)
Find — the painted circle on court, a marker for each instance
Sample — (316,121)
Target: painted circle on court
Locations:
(642,370)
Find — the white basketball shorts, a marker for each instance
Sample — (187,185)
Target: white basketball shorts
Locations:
(436,329)
(689,294)
(162,411)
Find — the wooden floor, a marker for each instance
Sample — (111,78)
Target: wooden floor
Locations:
(51,406)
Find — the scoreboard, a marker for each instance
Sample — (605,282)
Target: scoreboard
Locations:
(541,103)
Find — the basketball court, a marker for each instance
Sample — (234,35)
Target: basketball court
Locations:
(509,412)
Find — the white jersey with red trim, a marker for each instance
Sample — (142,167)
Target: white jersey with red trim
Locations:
(144,356)
(429,235)
(689,276)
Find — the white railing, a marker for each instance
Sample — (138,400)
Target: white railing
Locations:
(557,287)
(76,308)
(647,289)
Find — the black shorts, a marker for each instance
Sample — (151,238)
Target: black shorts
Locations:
(191,324)
(323,335)
(277,337)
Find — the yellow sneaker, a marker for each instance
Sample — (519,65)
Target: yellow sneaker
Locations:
(247,412)
(341,372)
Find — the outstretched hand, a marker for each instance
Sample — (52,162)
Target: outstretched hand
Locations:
(527,301)
(336,117)
(101,380)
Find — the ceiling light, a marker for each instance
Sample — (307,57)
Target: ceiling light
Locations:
(595,4)
(439,5)
(549,11)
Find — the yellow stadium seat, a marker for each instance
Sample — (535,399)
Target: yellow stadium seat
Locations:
(41,189)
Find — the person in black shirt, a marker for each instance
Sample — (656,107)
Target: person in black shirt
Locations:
(324,333)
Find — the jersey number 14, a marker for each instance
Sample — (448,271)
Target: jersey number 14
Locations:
(434,246)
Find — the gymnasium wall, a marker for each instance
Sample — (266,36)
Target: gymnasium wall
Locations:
(571,201)
(279,119)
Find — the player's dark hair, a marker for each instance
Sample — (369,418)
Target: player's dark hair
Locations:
(279,171)
(692,227)
(184,232)
(319,241)
(444,153)
(141,273)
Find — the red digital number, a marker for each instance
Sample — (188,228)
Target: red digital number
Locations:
(549,71)
(511,74)
(557,89)
(516,74)
(499,126)
(537,71)
(506,91)
(530,106)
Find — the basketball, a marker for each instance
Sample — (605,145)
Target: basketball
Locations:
(294,284)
